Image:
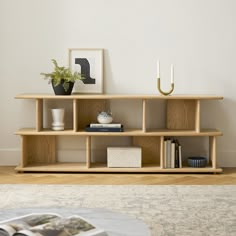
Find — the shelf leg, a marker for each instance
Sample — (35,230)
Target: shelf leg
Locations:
(88,151)
(212,151)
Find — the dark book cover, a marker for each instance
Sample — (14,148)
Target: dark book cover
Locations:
(176,154)
(104,129)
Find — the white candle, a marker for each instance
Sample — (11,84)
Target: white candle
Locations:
(172,74)
(158,69)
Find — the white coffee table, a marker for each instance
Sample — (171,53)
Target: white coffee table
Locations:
(115,224)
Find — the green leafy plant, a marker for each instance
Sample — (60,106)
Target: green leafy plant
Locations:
(61,74)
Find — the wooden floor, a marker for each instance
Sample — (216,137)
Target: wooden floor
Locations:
(9,176)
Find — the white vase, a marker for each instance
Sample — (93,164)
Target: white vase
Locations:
(58,119)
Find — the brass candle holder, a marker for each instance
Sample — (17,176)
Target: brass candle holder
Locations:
(161,91)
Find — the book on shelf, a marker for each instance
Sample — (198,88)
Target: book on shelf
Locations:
(104,129)
(111,125)
(172,153)
(167,153)
(180,156)
(49,224)
(176,153)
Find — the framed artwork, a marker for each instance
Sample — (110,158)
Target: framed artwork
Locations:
(88,62)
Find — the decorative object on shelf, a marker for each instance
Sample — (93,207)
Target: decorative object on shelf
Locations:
(58,119)
(62,79)
(124,157)
(88,62)
(104,117)
(197,162)
(159,80)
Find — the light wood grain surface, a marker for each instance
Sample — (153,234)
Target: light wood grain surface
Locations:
(127,132)
(39,148)
(116,96)
(9,176)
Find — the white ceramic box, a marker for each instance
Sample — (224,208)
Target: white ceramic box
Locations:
(124,157)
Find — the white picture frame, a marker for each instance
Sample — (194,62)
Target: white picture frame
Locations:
(88,62)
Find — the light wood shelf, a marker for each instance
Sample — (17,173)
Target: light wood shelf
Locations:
(54,167)
(101,167)
(117,96)
(39,144)
(127,132)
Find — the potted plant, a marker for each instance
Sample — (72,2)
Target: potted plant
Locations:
(62,79)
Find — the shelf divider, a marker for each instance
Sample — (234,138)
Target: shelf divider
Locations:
(162,152)
(181,114)
(212,150)
(197,116)
(23,152)
(39,114)
(88,151)
(144,116)
(75,120)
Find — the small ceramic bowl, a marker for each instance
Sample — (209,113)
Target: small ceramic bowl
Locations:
(104,117)
(197,162)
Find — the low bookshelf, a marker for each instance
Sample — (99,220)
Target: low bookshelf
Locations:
(182,115)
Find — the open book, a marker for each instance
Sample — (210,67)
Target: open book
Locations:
(49,224)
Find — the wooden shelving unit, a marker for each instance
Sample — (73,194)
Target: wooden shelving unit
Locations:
(182,113)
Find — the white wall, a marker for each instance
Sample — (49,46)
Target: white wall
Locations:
(197,36)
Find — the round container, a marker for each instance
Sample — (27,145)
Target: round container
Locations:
(104,117)
(197,162)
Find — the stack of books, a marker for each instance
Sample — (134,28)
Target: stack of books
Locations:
(172,153)
(96,127)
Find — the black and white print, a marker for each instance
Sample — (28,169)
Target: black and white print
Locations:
(88,62)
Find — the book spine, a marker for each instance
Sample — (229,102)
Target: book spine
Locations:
(180,156)
(165,154)
(168,153)
(172,155)
(89,129)
(94,125)
(176,154)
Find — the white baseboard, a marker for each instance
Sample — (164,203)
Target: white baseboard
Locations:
(11,157)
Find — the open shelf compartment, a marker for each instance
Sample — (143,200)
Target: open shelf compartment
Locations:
(40,153)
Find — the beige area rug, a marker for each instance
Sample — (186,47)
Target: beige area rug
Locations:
(167,210)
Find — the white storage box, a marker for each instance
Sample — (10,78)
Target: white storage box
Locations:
(124,157)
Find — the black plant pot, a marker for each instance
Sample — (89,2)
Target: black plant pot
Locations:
(59,89)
